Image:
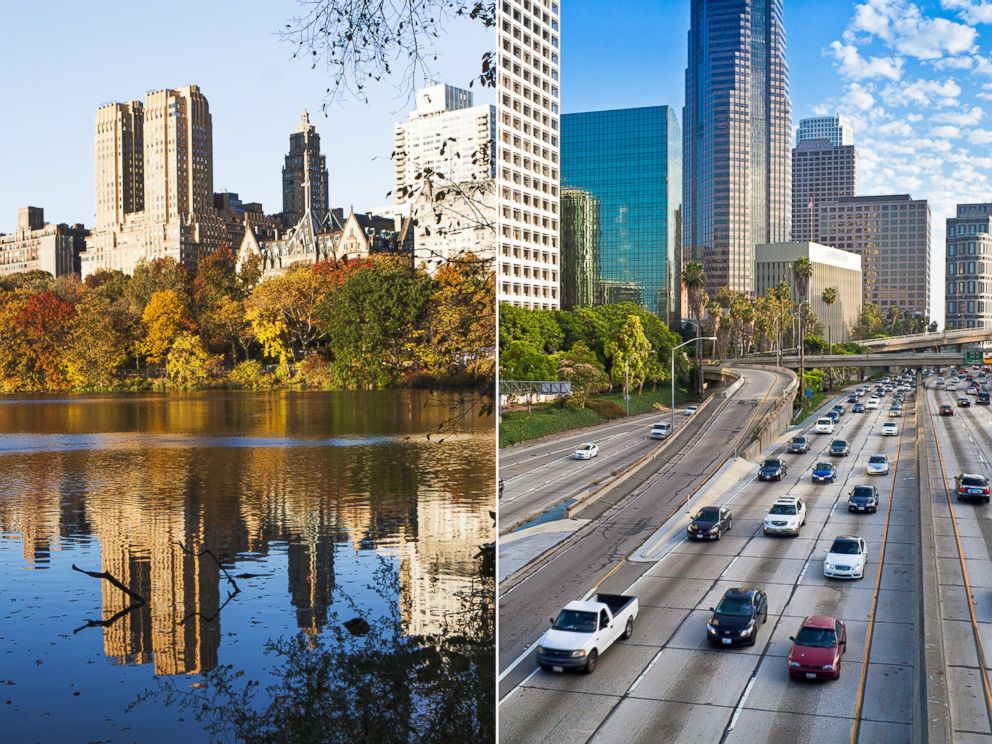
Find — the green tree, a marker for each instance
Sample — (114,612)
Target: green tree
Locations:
(628,348)
(521,360)
(694,281)
(802,271)
(580,366)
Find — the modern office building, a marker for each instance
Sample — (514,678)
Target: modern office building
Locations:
(527,147)
(736,149)
(304,175)
(892,235)
(580,241)
(629,160)
(821,172)
(831,268)
(40,246)
(835,129)
(969,267)
(445,166)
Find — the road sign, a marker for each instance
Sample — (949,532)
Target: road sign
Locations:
(973,356)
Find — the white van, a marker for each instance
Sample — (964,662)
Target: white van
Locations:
(661,430)
(824,426)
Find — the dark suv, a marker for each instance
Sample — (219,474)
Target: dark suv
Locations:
(972,486)
(737,617)
(863,499)
(773,469)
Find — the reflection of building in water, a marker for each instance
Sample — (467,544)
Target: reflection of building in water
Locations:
(311,578)
(579,248)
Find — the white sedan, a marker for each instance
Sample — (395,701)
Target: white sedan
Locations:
(890,429)
(872,403)
(878,465)
(846,558)
(586,451)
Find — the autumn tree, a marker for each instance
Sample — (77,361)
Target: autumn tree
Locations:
(158,275)
(164,318)
(44,321)
(97,348)
(286,307)
(188,364)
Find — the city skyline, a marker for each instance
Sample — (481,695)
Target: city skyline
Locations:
(255,100)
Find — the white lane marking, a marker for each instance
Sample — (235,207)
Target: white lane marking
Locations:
(803,572)
(740,705)
(643,674)
(524,681)
(516,662)
(729,565)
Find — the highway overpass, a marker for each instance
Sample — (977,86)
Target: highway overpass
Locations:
(889,359)
(927,341)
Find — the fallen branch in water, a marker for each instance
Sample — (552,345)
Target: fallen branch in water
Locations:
(110,620)
(220,565)
(106,576)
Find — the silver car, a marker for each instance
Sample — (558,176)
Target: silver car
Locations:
(878,465)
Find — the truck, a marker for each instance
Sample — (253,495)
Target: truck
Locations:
(585,629)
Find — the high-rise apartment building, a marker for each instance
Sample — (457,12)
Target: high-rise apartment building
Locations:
(304,175)
(821,172)
(40,246)
(736,153)
(969,267)
(527,141)
(892,236)
(630,161)
(835,129)
(580,241)
(445,163)
(120,157)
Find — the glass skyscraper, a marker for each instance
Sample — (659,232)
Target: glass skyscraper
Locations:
(736,142)
(621,187)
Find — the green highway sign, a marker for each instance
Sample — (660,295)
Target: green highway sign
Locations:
(973,356)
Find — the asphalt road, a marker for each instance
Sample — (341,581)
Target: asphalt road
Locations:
(621,521)
(665,683)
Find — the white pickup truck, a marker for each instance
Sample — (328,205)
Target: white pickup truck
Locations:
(584,630)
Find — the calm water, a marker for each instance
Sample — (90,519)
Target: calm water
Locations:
(300,496)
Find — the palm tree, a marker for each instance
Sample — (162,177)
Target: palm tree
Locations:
(829,297)
(802,270)
(694,281)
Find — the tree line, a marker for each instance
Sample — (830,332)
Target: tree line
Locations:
(361,324)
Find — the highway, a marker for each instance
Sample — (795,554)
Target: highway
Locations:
(666,684)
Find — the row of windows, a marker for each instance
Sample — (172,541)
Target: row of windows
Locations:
(971,229)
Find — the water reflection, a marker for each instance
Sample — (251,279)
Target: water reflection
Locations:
(277,516)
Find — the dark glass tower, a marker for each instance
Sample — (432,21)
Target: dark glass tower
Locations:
(621,187)
(736,149)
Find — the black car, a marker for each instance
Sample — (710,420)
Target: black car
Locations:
(972,486)
(737,617)
(798,446)
(964,402)
(839,408)
(983,399)
(852,398)
(773,469)
(840,448)
(710,523)
(858,408)
(863,499)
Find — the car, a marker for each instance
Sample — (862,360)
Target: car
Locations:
(846,558)
(878,465)
(971,391)
(661,430)
(983,399)
(690,410)
(824,472)
(863,498)
(785,517)
(585,629)
(852,398)
(964,402)
(895,412)
(736,617)
(709,523)
(872,403)
(858,408)
(890,429)
(586,451)
(946,410)
(840,448)
(951,387)
(798,446)
(773,468)
(817,649)
(824,426)
(839,409)
(940,382)
(832,415)
(972,486)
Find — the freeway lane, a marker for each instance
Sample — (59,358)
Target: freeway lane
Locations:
(666,684)
(622,520)
(538,476)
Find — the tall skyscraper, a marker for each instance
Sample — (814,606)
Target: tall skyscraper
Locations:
(630,161)
(119,155)
(969,267)
(835,129)
(822,171)
(892,236)
(527,141)
(304,175)
(445,163)
(736,188)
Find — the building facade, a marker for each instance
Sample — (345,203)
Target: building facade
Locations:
(528,147)
(821,172)
(580,241)
(445,166)
(892,236)
(304,175)
(835,129)
(736,151)
(831,268)
(969,267)
(40,246)
(630,161)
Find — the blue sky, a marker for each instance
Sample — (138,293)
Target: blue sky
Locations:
(60,60)
(914,78)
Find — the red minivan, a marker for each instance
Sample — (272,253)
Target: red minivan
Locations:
(817,648)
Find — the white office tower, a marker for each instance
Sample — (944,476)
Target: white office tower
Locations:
(444,156)
(528,146)
(834,129)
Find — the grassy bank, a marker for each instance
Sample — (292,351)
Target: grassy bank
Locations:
(549,418)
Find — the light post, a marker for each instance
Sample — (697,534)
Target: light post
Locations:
(674,349)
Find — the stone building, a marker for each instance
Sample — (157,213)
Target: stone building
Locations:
(969,267)
(822,172)
(40,246)
(304,175)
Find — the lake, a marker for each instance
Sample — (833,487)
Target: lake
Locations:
(223,521)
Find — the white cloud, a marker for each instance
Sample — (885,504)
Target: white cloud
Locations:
(980,136)
(954,63)
(947,131)
(853,65)
(914,117)
(859,97)
(904,28)
(897,127)
(970,11)
(962,118)
(923,93)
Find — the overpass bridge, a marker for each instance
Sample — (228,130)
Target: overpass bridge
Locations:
(933,341)
(888,359)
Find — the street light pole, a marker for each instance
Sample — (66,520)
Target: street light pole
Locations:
(674,349)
